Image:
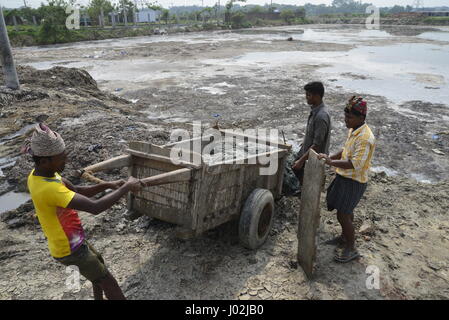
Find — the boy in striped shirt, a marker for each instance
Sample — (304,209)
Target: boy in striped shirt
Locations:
(352,165)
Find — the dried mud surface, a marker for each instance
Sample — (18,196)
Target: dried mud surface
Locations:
(402,224)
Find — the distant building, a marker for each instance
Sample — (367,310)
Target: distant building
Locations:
(147,15)
(435,13)
(422,14)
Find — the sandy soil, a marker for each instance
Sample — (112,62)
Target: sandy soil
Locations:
(405,221)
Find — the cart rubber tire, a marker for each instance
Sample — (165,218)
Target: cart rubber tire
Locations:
(256,219)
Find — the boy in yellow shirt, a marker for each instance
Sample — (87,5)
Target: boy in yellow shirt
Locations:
(56,202)
(352,163)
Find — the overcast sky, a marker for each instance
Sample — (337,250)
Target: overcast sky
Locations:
(168,3)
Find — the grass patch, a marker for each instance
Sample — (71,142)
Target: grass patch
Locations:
(437,20)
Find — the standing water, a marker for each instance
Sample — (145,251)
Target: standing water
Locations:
(12,200)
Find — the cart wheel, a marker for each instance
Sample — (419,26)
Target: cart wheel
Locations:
(256,219)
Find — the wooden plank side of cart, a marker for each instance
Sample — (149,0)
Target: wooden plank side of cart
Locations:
(170,205)
(309,215)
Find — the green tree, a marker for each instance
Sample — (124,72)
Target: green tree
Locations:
(95,6)
(165,15)
(206,13)
(288,16)
(237,19)
(300,13)
(228,8)
(256,9)
(154,6)
(397,9)
(27,14)
(53,28)
(128,5)
(54,11)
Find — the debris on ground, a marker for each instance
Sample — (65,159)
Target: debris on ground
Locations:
(401,223)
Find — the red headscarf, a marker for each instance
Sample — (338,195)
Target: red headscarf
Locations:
(357,104)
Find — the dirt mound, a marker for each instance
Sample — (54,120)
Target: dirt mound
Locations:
(95,124)
(58,83)
(56,77)
(8,96)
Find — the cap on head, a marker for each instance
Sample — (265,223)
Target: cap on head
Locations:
(45,142)
(357,106)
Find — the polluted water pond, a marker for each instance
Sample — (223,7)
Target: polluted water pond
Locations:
(12,200)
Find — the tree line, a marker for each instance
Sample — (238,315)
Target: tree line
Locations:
(28,15)
(46,24)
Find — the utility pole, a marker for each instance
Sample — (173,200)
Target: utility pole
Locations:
(102,17)
(135,13)
(113,19)
(7,60)
(125,15)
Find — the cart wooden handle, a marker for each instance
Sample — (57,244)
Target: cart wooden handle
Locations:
(117,162)
(180,175)
(89,177)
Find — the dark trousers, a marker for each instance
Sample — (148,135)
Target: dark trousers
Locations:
(299,173)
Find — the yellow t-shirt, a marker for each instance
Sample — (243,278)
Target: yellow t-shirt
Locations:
(359,148)
(61,225)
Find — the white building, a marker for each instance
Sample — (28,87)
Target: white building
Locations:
(147,15)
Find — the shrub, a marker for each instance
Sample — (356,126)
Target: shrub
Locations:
(237,20)
(288,16)
(209,26)
(50,33)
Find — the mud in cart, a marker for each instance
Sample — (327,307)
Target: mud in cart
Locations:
(198,192)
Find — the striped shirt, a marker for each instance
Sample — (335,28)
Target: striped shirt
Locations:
(359,148)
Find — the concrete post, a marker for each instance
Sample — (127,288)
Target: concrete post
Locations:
(113,19)
(125,16)
(14,20)
(34,20)
(9,68)
(134,16)
(102,17)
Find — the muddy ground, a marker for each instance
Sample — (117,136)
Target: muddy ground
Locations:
(405,221)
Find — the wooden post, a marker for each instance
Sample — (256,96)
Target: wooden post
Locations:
(34,20)
(7,60)
(113,19)
(309,214)
(102,17)
(14,20)
(134,16)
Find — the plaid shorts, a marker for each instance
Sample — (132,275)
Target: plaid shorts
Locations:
(89,262)
(344,194)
